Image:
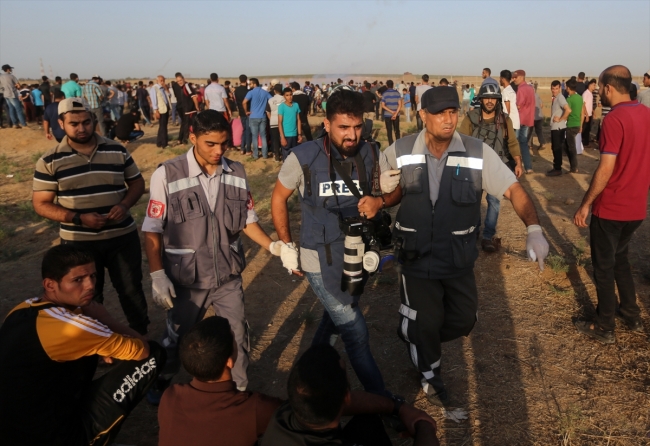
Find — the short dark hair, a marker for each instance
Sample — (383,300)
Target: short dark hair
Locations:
(214,77)
(488,70)
(243,78)
(633,92)
(109,83)
(345,102)
(581,75)
(317,385)
(556,83)
(58,78)
(277,88)
(287,90)
(592,81)
(73,76)
(140,83)
(646,75)
(59,260)
(255,81)
(620,79)
(209,121)
(367,85)
(572,84)
(206,347)
(58,94)
(295,85)
(179,74)
(444,81)
(425,77)
(506,74)
(44,78)
(389,83)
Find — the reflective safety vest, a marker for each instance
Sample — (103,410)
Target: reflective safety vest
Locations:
(439,242)
(202,249)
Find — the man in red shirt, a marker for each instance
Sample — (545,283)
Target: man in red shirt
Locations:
(618,196)
(526,108)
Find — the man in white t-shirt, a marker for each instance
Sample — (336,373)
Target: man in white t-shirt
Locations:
(272,115)
(419,91)
(216,97)
(509,99)
(588,101)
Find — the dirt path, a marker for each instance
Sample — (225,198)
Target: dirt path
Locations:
(524,373)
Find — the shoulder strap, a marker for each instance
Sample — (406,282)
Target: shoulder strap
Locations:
(405,145)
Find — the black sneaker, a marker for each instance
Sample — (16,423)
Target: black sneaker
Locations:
(554,173)
(438,398)
(592,330)
(632,325)
(489,245)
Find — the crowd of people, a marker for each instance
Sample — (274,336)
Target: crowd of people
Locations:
(200,203)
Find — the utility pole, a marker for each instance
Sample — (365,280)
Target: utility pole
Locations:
(42,69)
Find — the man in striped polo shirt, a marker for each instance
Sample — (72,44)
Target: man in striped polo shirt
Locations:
(95,182)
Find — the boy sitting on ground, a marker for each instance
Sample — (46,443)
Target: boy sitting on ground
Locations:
(210,410)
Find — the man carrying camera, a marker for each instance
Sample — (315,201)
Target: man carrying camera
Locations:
(443,177)
(340,181)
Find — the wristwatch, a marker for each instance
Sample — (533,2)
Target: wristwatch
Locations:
(76,219)
(397,404)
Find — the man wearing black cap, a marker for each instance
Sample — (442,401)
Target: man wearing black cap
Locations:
(9,87)
(436,230)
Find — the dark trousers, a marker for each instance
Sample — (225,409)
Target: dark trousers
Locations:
(571,133)
(418,119)
(306,130)
(392,124)
(433,312)
(586,132)
(163,138)
(559,145)
(184,132)
(538,127)
(377,110)
(292,141)
(122,256)
(366,429)
(111,398)
(275,143)
(609,248)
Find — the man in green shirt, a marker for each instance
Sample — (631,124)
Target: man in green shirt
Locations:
(574,122)
(71,89)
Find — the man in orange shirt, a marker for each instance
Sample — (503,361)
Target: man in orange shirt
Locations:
(49,348)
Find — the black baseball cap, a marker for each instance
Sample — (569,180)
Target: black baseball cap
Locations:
(437,99)
(7,67)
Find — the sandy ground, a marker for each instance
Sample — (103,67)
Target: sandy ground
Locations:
(524,374)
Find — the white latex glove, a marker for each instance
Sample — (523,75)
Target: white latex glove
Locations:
(536,245)
(289,256)
(162,289)
(276,247)
(456,415)
(388,180)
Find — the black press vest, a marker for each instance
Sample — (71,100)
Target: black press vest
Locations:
(439,242)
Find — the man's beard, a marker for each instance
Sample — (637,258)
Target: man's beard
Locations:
(604,101)
(352,151)
(485,110)
(79,140)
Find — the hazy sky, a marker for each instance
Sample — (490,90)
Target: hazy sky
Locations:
(116,39)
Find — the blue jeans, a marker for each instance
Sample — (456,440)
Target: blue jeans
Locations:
(347,321)
(144,112)
(491,217)
(245,135)
(258,127)
(116,111)
(522,137)
(174,115)
(16,111)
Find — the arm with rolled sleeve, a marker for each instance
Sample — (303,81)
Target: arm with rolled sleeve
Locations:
(154,221)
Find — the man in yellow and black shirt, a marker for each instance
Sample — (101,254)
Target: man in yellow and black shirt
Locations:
(49,347)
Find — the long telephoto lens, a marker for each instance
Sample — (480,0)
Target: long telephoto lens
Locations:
(352,278)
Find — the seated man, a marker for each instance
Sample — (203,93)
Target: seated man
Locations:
(319,395)
(49,348)
(128,128)
(210,410)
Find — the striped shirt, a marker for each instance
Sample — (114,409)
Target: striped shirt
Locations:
(391,98)
(92,93)
(88,184)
